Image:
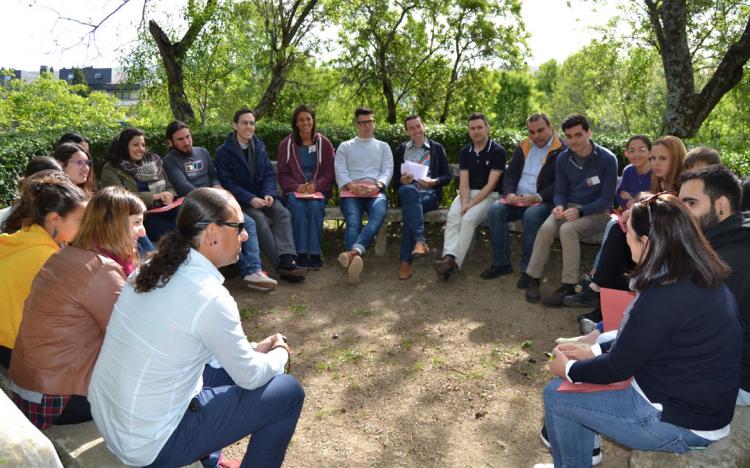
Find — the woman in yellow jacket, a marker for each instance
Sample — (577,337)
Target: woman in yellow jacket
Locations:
(50,210)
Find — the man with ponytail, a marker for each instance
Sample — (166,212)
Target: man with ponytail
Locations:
(157,393)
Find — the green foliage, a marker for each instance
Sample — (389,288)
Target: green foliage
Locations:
(48,103)
(514,101)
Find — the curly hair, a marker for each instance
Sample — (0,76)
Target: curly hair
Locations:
(118,149)
(201,206)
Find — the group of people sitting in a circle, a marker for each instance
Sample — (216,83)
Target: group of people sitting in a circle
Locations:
(115,309)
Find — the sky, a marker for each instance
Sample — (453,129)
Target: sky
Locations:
(34,34)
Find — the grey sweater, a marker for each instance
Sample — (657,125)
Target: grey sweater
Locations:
(360,159)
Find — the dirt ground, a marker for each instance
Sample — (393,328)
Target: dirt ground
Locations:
(421,372)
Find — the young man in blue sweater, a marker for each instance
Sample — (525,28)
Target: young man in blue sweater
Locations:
(585,179)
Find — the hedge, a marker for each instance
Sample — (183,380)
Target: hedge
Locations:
(17,148)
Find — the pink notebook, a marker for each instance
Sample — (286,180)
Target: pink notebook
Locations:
(308,196)
(348,194)
(503,201)
(164,208)
(614,302)
(588,387)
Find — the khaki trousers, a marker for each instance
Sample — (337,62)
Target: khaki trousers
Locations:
(570,232)
(459,230)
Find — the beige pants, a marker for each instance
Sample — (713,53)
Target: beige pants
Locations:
(459,230)
(570,233)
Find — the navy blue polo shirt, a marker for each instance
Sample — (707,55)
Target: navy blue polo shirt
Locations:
(492,157)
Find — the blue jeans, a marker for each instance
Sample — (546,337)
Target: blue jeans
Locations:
(249,261)
(357,237)
(144,246)
(307,223)
(498,216)
(625,416)
(223,413)
(414,204)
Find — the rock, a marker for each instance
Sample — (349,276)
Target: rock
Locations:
(732,451)
(22,444)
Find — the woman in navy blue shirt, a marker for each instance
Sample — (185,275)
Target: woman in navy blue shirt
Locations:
(680,342)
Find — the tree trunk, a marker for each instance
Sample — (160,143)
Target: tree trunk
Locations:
(172,55)
(686,109)
(268,101)
(178,101)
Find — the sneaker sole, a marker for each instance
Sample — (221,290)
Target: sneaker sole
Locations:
(354,270)
(344,260)
(259,287)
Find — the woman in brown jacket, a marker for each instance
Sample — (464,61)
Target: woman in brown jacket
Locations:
(59,339)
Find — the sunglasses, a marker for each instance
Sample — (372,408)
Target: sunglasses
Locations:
(651,199)
(238,226)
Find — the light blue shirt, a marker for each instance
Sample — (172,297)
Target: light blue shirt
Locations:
(531,168)
(363,159)
(156,347)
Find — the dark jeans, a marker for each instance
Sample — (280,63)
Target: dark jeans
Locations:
(498,216)
(614,262)
(414,204)
(223,413)
(307,223)
(274,228)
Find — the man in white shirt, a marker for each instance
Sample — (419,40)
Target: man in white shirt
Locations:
(152,396)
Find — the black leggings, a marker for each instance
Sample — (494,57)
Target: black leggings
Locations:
(5,354)
(615,261)
(77,410)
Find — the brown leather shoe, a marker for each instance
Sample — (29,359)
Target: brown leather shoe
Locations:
(345,258)
(404,271)
(445,266)
(420,250)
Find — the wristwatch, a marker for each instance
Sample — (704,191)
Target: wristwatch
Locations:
(380,185)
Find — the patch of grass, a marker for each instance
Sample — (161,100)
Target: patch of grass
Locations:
(251,311)
(407,344)
(351,355)
(363,312)
(419,366)
(438,361)
(297,308)
(323,366)
(476,375)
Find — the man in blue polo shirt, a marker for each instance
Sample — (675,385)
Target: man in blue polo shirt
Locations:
(585,180)
(481,164)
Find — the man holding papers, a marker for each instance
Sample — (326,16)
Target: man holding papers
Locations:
(364,167)
(528,187)
(420,172)
(481,164)
(305,160)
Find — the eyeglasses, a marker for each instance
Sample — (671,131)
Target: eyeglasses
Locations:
(651,199)
(84,162)
(365,122)
(238,226)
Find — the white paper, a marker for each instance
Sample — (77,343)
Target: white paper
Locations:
(415,170)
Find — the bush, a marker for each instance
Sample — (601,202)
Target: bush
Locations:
(17,148)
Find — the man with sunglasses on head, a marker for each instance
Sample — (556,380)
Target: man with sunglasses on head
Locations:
(585,179)
(364,167)
(190,167)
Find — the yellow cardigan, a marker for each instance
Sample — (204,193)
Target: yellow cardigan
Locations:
(22,255)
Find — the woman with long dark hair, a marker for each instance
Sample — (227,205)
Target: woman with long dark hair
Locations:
(47,216)
(131,165)
(306,176)
(680,341)
(173,318)
(59,340)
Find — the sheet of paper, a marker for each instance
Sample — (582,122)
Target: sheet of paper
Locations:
(415,170)
(164,208)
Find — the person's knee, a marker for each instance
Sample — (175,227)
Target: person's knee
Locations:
(288,389)
(497,213)
(407,192)
(550,392)
(568,230)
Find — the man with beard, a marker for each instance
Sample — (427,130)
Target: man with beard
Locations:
(190,167)
(713,196)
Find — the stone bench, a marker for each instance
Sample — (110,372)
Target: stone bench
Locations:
(75,445)
(732,451)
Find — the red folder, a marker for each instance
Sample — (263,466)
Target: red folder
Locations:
(504,201)
(589,387)
(164,208)
(308,196)
(614,302)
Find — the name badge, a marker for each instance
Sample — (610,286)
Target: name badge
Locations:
(591,181)
(312,148)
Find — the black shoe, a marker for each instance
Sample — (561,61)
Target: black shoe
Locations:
(291,278)
(496,271)
(595,315)
(586,298)
(523,281)
(558,295)
(445,266)
(596,454)
(532,290)
(583,281)
(287,266)
(303,261)
(315,262)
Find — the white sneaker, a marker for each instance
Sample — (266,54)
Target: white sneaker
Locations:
(260,281)
(544,465)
